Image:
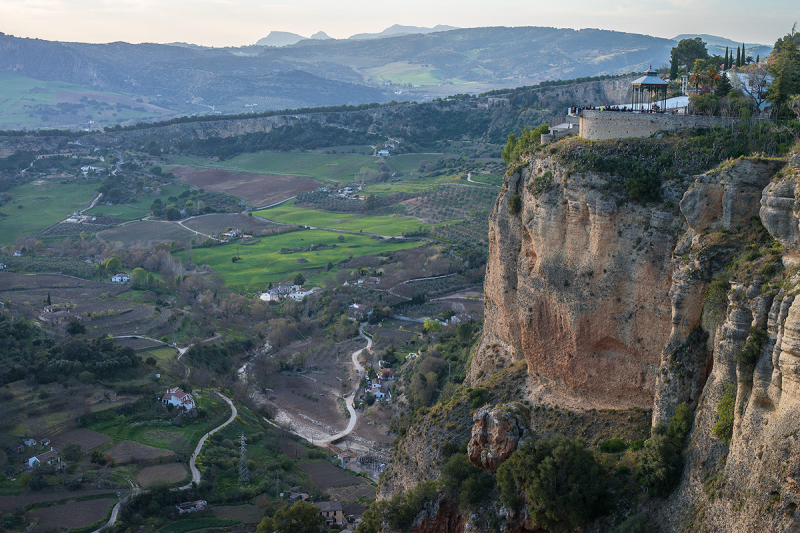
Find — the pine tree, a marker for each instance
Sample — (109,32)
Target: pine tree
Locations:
(244,470)
(723,86)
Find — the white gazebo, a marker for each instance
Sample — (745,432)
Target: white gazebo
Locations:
(647,90)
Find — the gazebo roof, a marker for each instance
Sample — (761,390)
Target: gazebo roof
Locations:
(650,80)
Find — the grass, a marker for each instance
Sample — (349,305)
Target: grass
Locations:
(162,354)
(43,202)
(402,72)
(320,166)
(262,263)
(288,213)
(137,208)
(163,436)
(18,94)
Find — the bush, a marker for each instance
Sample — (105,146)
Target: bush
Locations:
(715,303)
(514,204)
(643,185)
(613,446)
(638,523)
(563,484)
(659,465)
(464,482)
(748,355)
(725,410)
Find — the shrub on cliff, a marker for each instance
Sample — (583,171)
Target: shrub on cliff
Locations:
(660,462)
(563,484)
(464,482)
(516,147)
(514,204)
(724,428)
(643,185)
(748,355)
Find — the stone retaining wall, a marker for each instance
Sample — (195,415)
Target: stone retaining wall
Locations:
(604,125)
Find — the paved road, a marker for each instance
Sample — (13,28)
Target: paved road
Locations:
(192,466)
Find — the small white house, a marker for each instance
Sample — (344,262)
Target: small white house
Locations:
(46,458)
(120,278)
(178,398)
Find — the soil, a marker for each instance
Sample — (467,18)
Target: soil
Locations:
(87,439)
(147,232)
(74,514)
(161,474)
(128,450)
(247,514)
(293,450)
(8,503)
(336,483)
(259,190)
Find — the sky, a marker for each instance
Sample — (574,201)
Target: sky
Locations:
(243,22)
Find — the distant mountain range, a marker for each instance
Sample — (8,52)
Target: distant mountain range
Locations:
(400,63)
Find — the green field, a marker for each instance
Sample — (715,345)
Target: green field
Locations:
(19,95)
(325,167)
(262,263)
(162,354)
(402,72)
(40,203)
(288,213)
(138,208)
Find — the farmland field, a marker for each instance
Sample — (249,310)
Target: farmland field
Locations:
(288,213)
(247,514)
(403,72)
(219,222)
(128,450)
(337,483)
(40,203)
(74,514)
(263,263)
(166,474)
(87,439)
(339,167)
(257,189)
(136,208)
(190,524)
(162,354)
(146,232)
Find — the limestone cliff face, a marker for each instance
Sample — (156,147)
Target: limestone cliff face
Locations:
(495,435)
(578,287)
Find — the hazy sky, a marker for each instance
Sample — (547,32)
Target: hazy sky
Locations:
(242,22)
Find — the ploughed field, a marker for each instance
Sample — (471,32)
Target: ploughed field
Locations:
(256,189)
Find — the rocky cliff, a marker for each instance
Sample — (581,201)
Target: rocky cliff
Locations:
(608,303)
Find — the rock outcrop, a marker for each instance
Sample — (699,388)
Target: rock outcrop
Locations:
(578,287)
(495,434)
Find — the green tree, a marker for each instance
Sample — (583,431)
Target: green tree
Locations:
(371,203)
(784,67)
(49,302)
(74,327)
(300,517)
(723,86)
(139,278)
(687,51)
(156,171)
(563,485)
(431,325)
(723,430)
(71,452)
(514,204)
(738,56)
(299,279)
(112,265)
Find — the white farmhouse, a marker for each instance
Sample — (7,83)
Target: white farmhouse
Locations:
(46,458)
(120,278)
(178,398)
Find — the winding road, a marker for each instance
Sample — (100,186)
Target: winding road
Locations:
(192,466)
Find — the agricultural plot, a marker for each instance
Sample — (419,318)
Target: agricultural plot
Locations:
(162,354)
(166,474)
(257,189)
(86,438)
(336,482)
(219,222)
(129,451)
(447,203)
(470,231)
(74,514)
(145,233)
(403,72)
(36,205)
(136,208)
(246,514)
(336,167)
(262,263)
(288,213)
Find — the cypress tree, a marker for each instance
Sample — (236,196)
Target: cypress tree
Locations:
(738,56)
(744,56)
(727,58)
